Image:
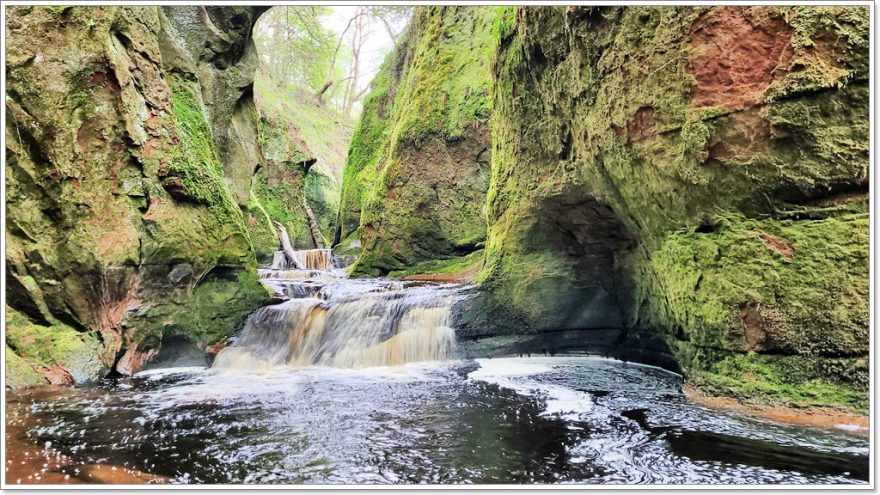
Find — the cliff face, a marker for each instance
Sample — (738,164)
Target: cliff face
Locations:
(698,174)
(418,166)
(131,142)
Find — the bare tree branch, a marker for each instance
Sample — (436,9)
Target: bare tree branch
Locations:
(388,29)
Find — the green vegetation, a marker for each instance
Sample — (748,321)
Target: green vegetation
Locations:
(749,223)
(448,87)
(325,132)
(282,202)
(718,204)
(196,160)
(45,347)
(122,188)
(304,145)
(787,380)
(808,280)
(459,266)
(296,48)
(417,167)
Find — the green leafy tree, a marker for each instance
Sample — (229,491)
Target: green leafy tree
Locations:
(295,48)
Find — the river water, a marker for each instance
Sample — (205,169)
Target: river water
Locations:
(359,382)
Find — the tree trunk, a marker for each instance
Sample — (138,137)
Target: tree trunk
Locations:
(287,248)
(317,236)
(390,32)
(335,54)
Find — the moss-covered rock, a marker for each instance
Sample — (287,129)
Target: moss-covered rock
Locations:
(418,165)
(124,173)
(715,196)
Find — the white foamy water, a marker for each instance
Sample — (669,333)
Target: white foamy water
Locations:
(512,420)
(156,373)
(513,373)
(329,320)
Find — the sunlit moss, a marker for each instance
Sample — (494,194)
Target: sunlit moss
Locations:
(196,160)
(434,90)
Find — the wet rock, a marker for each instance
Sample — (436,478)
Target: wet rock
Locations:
(176,188)
(19,374)
(58,376)
(424,178)
(687,207)
(133,360)
(180,274)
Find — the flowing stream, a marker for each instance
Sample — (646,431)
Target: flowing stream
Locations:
(359,381)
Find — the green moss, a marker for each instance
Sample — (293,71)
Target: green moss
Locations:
(452,266)
(196,160)
(322,195)
(304,143)
(784,380)
(19,374)
(366,148)
(813,300)
(221,304)
(414,180)
(48,346)
(281,200)
(740,239)
(504,25)
(262,232)
(448,86)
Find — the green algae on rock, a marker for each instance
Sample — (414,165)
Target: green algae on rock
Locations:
(721,201)
(418,165)
(124,176)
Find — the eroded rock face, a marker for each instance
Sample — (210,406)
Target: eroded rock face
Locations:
(124,176)
(700,174)
(418,167)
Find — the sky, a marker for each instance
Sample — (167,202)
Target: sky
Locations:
(377,45)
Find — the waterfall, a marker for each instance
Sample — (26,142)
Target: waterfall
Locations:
(303,259)
(316,259)
(384,328)
(279,261)
(333,321)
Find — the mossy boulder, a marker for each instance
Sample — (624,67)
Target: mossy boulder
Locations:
(418,166)
(716,197)
(123,177)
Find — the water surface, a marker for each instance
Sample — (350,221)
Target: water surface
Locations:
(510,420)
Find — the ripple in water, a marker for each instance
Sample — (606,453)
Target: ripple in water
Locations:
(536,420)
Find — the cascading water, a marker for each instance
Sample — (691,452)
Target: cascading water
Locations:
(305,259)
(329,320)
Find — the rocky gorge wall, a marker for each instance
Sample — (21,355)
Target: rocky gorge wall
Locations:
(418,166)
(698,172)
(131,143)
(686,187)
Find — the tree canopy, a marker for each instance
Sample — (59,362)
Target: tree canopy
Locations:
(300,53)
